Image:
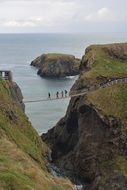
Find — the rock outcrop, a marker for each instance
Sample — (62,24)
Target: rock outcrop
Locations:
(91,140)
(117,51)
(17,95)
(57,65)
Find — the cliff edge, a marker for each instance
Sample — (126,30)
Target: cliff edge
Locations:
(90,142)
(23,164)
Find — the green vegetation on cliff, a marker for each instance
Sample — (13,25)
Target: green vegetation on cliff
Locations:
(111,101)
(109,61)
(91,140)
(22,153)
(105,60)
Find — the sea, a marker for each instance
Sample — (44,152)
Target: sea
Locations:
(18,50)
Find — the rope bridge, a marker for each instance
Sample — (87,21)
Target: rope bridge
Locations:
(83,91)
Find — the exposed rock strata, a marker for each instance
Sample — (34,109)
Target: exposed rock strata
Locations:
(17,95)
(57,65)
(84,140)
(87,142)
(117,51)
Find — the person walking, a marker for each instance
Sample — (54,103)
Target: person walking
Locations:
(57,95)
(62,94)
(49,95)
(65,93)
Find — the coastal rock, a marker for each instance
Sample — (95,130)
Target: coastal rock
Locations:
(84,140)
(57,65)
(90,142)
(17,95)
(117,51)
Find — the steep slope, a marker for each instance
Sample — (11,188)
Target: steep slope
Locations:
(57,65)
(22,153)
(91,140)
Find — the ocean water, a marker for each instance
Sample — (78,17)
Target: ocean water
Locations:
(18,50)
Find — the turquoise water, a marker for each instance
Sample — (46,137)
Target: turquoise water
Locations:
(18,50)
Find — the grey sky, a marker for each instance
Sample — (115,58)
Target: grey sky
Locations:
(63,15)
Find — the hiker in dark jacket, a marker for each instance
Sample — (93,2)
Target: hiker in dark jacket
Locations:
(57,95)
(49,95)
(62,94)
(65,93)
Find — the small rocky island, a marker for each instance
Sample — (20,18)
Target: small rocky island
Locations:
(56,65)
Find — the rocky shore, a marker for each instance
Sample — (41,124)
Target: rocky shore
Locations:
(56,65)
(91,140)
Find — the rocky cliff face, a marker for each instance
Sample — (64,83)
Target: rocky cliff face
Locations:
(16,94)
(91,140)
(23,164)
(117,51)
(57,65)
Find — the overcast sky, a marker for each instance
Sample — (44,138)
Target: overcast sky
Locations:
(63,16)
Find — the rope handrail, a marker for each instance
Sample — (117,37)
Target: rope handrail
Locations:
(83,91)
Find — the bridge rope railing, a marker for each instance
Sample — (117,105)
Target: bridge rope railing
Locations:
(82,91)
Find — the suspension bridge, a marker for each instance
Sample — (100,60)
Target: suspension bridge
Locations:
(82,92)
(7,75)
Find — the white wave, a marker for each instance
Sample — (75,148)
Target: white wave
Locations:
(72,77)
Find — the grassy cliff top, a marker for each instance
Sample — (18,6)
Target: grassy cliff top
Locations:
(108,61)
(58,55)
(105,60)
(111,101)
(54,57)
(22,153)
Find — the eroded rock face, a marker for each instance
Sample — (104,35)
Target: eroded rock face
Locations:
(114,51)
(117,51)
(89,144)
(17,95)
(84,140)
(57,65)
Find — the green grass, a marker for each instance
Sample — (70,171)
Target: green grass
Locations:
(111,101)
(22,153)
(54,57)
(19,129)
(58,55)
(103,64)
